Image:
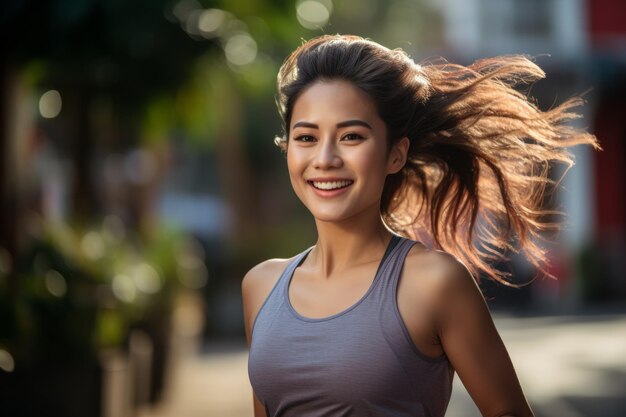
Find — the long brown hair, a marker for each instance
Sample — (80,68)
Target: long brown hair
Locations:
(480,154)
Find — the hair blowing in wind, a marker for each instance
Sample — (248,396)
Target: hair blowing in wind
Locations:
(480,151)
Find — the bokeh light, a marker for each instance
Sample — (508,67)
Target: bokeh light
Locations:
(7,364)
(50,104)
(211,21)
(314,14)
(55,283)
(92,245)
(184,8)
(146,278)
(240,49)
(124,288)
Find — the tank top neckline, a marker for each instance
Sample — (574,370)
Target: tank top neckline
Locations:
(392,243)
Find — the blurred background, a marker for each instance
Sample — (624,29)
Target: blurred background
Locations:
(139,182)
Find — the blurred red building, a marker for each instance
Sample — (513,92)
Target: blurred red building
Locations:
(607,33)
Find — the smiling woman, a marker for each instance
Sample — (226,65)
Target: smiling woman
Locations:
(338,158)
(370,321)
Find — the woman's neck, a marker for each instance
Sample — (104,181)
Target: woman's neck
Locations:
(343,245)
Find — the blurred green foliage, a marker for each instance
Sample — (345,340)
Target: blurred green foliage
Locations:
(83,290)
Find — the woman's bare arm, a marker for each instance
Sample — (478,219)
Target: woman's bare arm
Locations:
(473,345)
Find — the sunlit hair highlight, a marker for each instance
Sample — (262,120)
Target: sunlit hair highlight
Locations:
(481,151)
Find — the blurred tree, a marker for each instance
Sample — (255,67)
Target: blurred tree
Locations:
(115,60)
(113,50)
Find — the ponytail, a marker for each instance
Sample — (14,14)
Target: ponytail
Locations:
(479,164)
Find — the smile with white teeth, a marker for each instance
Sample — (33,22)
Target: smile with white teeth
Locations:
(331,185)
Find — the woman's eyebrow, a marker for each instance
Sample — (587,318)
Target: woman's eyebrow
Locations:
(305,124)
(353,122)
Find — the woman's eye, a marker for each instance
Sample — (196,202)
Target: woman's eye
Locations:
(353,136)
(304,138)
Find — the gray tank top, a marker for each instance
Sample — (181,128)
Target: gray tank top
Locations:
(360,362)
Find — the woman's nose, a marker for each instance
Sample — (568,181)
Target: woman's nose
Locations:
(327,156)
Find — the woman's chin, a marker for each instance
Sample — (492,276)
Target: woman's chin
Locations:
(329,217)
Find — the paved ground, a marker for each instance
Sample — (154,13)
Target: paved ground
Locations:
(569,366)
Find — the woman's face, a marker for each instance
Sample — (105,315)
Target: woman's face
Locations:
(337,152)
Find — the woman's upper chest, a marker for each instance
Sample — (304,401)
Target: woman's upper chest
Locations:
(316,298)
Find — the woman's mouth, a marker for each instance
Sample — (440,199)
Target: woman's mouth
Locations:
(330,185)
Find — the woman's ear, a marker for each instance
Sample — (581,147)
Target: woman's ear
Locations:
(398,155)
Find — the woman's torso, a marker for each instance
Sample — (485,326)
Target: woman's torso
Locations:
(360,361)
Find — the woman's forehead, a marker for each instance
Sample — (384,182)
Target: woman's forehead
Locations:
(334,101)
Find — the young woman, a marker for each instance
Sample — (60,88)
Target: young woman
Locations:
(370,321)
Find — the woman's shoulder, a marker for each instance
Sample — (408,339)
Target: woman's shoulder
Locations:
(257,285)
(264,274)
(439,288)
(438,274)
